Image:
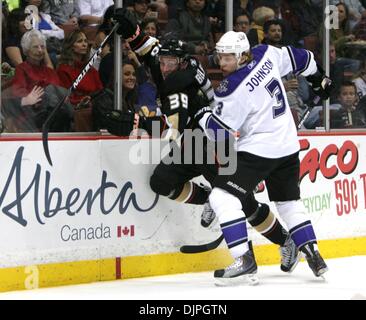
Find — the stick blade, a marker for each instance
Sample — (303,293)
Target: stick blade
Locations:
(45,143)
(46,127)
(189,249)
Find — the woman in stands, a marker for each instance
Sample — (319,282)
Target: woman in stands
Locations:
(34,71)
(74,57)
(15,28)
(344,33)
(137,96)
(151,28)
(34,84)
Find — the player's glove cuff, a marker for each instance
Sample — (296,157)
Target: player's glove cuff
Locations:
(201,112)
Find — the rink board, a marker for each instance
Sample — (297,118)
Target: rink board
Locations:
(92,217)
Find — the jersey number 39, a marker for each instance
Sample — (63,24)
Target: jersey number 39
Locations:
(274,89)
(178,100)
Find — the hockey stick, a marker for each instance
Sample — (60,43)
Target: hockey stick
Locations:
(308,111)
(51,117)
(202,247)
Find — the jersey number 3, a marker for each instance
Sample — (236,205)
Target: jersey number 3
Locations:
(274,89)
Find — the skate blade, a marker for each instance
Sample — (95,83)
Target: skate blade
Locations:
(246,279)
(296,263)
(321,273)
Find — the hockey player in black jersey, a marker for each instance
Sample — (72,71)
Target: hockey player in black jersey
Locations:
(184,88)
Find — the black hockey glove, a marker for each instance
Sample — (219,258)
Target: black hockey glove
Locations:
(201,79)
(139,42)
(199,74)
(128,27)
(321,84)
(119,123)
(201,112)
(154,126)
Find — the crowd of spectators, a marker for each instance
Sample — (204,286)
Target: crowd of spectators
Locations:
(46,44)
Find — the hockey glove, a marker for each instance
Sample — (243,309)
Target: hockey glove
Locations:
(201,112)
(200,74)
(154,126)
(119,123)
(321,84)
(128,27)
(130,30)
(201,78)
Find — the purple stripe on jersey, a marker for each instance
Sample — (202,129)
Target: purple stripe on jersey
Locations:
(229,84)
(303,235)
(235,232)
(218,130)
(300,59)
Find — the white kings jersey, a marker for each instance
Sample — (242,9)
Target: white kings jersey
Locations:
(252,102)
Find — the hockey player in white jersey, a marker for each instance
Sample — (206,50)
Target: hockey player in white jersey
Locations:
(251,103)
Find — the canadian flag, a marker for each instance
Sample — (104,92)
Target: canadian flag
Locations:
(125,231)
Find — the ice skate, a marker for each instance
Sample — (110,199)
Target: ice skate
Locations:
(290,255)
(314,259)
(242,271)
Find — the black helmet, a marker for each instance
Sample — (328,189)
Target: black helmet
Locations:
(174,48)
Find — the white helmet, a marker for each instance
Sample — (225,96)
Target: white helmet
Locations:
(233,42)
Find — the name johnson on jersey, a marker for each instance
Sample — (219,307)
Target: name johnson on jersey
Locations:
(260,75)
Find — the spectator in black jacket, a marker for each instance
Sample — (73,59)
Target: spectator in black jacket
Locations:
(242,23)
(193,27)
(273,31)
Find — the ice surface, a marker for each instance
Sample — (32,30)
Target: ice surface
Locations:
(346,279)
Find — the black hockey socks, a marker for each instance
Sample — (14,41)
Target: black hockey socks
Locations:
(265,222)
(190,193)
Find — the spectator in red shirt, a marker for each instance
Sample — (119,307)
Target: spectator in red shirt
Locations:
(74,57)
(36,88)
(34,71)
